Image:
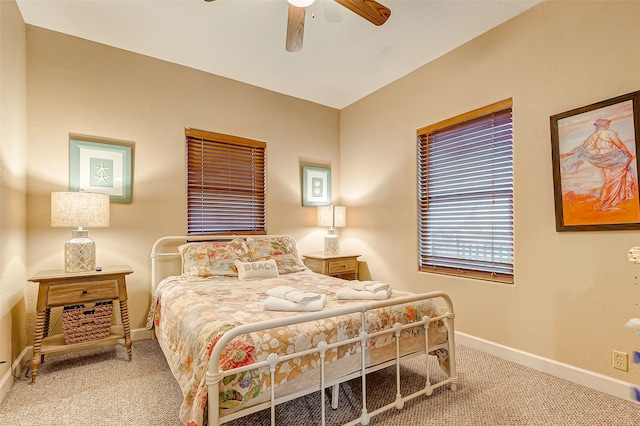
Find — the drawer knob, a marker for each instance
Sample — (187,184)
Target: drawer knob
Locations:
(84,291)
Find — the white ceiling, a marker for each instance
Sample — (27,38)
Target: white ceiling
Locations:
(344,57)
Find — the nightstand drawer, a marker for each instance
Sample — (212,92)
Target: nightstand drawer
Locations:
(76,293)
(342,266)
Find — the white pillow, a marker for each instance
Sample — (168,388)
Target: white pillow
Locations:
(258,269)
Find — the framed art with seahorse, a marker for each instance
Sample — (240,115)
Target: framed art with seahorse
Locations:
(595,165)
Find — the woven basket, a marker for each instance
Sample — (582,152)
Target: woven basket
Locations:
(82,323)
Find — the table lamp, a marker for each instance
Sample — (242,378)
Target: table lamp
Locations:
(333,217)
(79,209)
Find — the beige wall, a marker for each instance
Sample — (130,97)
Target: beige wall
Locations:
(13,160)
(573,291)
(81,87)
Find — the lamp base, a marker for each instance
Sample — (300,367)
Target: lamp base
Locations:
(79,252)
(331,243)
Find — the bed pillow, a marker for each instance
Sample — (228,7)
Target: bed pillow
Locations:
(208,258)
(281,249)
(259,269)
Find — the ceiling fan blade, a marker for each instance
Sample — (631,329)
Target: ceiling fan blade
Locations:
(370,10)
(295,28)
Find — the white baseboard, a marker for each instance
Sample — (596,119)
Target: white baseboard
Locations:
(141,334)
(25,356)
(5,384)
(7,380)
(596,381)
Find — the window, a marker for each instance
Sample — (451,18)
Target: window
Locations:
(225,184)
(465,173)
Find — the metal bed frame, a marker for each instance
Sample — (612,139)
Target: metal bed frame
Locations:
(166,247)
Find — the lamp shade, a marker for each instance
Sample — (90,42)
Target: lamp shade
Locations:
(79,209)
(301,3)
(339,216)
(332,216)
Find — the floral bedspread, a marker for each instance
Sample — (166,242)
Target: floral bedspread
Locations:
(190,314)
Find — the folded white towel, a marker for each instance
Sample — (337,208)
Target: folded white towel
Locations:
(273,303)
(293,294)
(372,286)
(348,293)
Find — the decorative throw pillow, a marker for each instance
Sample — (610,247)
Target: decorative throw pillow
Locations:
(281,249)
(259,269)
(204,259)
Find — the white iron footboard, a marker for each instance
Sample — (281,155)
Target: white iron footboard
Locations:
(215,375)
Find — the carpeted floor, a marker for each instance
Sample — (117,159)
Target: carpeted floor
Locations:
(100,387)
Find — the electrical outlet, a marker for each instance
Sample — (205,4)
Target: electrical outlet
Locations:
(620,360)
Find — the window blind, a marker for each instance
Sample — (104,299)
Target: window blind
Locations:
(226,184)
(466,196)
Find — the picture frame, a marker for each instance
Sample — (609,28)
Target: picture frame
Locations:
(595,166)
(98,165)
(316,186)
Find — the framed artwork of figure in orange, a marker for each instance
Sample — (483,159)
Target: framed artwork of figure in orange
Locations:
(595,166)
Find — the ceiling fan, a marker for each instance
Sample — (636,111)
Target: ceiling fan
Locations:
(370,10)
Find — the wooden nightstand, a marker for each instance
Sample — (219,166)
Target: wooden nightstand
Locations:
(59,288)
(343,266)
